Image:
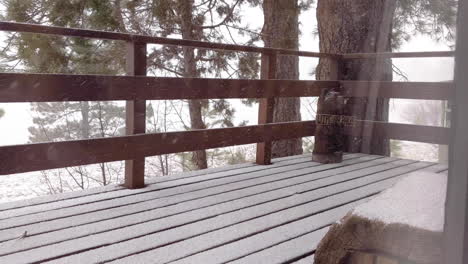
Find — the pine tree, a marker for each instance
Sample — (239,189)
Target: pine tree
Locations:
(200,20)
(53,54)
(196,21)
(79,120)
(281,30)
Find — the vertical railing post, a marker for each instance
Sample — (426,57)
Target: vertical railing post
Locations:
(135,115)
(266,106)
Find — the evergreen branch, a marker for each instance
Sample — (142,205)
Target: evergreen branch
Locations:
(246,30)
(203,3)
(168,69)
(226,18)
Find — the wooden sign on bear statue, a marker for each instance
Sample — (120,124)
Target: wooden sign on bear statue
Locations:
(330,123)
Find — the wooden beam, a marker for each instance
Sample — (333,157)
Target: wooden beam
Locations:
(135,112)
(427,54)
(16,87)
(266,108)
(406,132)
(44,156)
(402,90)
(77,32)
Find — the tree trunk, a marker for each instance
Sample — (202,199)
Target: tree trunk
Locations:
(185,8)
(281,30)
(354,27)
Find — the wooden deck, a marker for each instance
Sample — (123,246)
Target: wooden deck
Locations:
(243,214)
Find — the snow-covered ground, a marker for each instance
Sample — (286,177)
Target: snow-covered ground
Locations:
(21,186)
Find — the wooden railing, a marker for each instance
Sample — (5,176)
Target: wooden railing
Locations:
(136,88)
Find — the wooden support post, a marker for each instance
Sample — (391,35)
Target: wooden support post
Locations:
(135,115)
(456,203)
(330,121)
(266,107)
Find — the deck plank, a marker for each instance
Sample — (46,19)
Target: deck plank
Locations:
(302,237)
(49,199)
(155,185)
(200,243)
(240,248)
(58,198)
(152,210)
(243,213)
(286,251)
(247,222)
(306,260)
(168,196)
(250,196)
(323,212)
(283,252)
(163,189)
(223,220)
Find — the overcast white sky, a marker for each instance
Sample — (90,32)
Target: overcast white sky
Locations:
(13,126)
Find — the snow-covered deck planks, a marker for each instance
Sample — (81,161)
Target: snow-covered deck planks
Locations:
(243,214)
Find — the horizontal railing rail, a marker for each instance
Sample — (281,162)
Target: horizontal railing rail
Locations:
(16,87)
(86,33)
(383,55)
(52,155)
(397,131)
(135,88)
(19,87)
(399,90)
